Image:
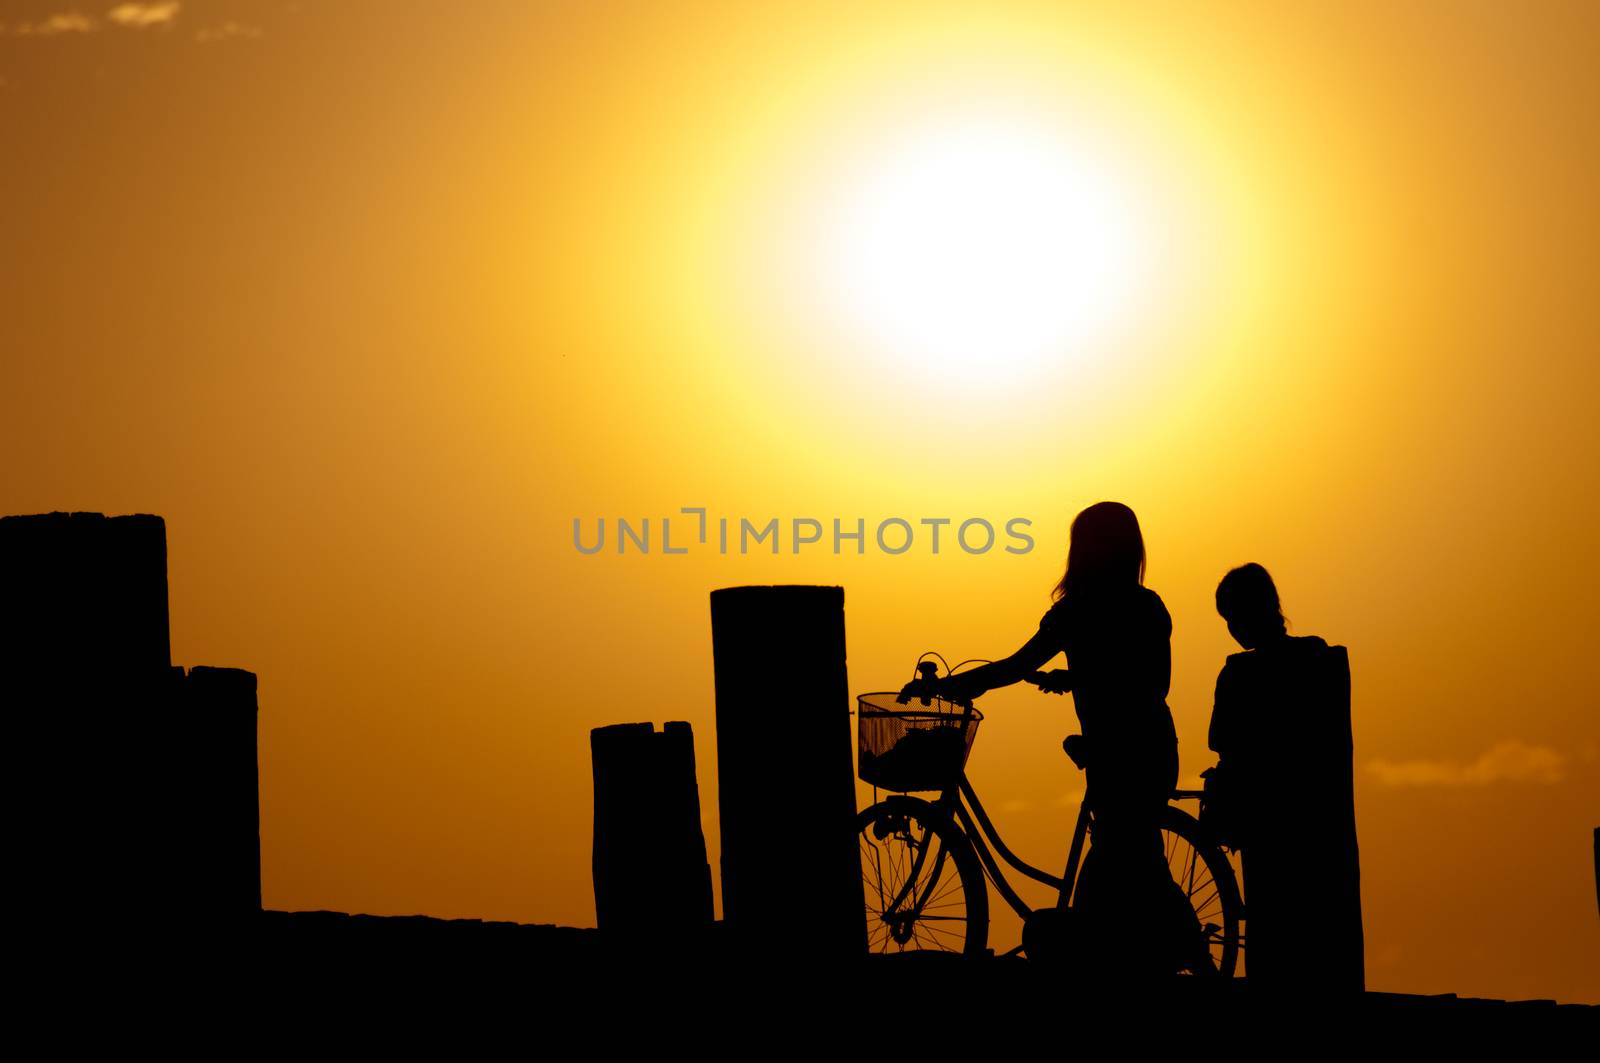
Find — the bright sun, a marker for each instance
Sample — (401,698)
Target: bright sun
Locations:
(982,249)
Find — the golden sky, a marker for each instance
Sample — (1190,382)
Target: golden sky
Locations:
(371,301)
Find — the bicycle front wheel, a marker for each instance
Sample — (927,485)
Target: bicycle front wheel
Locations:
(1206,878)
(924,889)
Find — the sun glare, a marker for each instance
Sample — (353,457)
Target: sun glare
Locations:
(982,249)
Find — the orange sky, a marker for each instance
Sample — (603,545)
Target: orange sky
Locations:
(371,301)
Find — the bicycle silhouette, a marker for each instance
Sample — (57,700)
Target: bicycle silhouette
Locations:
(926,864)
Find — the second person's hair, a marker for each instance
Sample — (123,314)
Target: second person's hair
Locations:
(1248,592)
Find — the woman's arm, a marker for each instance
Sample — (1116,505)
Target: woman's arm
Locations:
(1025,661)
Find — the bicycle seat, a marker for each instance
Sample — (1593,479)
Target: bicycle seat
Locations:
(1072,745)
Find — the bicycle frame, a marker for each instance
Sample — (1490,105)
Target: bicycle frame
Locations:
(962,801)
(980,830)
(960,805)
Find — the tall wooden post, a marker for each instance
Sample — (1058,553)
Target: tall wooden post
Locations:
(133,785)
(84,660)
(786,773)
(84,592)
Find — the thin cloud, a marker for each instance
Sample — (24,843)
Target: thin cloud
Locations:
(65,22)
(1508,761)
(138,16)
(226,31)
(130,16)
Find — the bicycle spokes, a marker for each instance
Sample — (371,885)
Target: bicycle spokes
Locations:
(1203,896)
(915,896)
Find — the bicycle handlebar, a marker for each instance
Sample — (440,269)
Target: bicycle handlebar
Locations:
(1055,681)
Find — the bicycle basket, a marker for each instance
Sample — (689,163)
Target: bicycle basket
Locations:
(914,746)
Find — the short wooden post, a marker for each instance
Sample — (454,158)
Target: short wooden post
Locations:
(218,863)
(651,877)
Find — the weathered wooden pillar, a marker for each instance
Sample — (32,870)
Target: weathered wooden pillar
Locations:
(84,660)
(83,592)
(791,861)
(651,877)
(132,786)
(217,871)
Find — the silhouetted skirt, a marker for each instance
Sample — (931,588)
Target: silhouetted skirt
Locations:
(1123,886)
(1302,888)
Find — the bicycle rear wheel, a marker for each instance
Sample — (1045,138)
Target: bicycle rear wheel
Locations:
(1206,878)
(923,886)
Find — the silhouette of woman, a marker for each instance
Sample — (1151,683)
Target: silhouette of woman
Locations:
(1281,728)
(1116,635)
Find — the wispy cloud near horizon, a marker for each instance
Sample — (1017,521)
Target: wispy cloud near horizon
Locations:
(1507,761)
(135,16)
(138,16)
(63,22)
(226,31)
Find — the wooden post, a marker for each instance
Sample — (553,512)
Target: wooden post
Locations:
(786,773)
(84,660)
(85,592)
(651,877)
(218,866)
(134,805)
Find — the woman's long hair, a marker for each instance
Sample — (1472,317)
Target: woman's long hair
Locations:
(1107,550)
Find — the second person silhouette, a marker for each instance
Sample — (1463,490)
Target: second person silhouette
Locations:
(1281,728)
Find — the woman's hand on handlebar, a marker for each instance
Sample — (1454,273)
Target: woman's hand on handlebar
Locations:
(1055,681)
(919,688)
